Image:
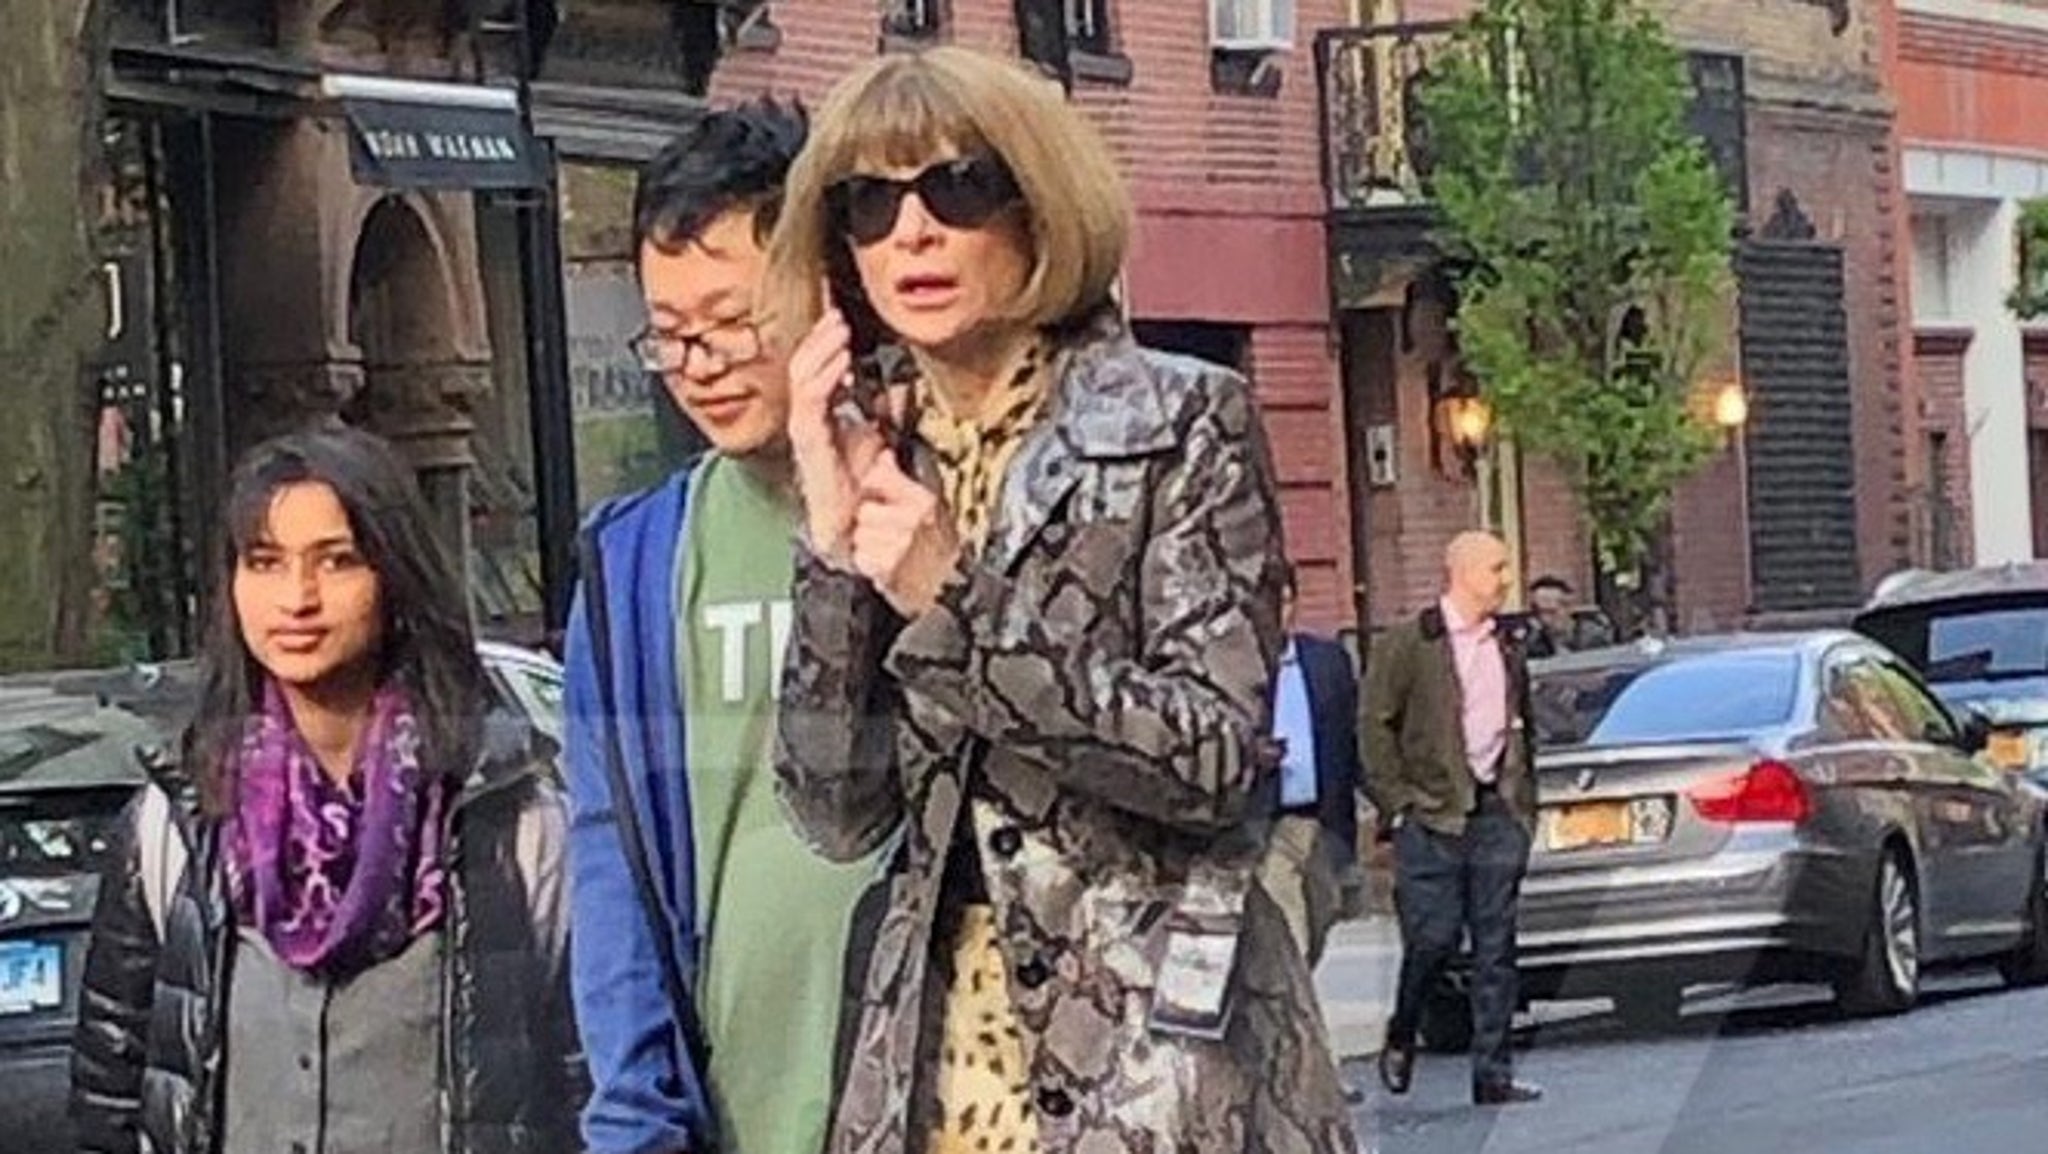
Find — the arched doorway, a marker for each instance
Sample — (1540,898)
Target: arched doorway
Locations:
(416,390)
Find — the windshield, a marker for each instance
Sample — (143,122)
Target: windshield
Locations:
(1989,646)
(54,834)
(1689,699)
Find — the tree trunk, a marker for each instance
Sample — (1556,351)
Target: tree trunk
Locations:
(52,316)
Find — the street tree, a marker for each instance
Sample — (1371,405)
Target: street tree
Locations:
(51,315)
(1589,235)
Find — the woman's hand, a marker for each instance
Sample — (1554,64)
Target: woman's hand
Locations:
(903,538)
(831,455)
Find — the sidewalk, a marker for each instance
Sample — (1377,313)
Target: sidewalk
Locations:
(1361,967)
(1356,982)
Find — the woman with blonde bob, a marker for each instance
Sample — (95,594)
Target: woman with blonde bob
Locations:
(1036,616)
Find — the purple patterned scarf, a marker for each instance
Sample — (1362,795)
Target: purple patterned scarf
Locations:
(336,877)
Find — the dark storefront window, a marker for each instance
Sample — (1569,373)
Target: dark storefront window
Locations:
(627,434)
(143,604)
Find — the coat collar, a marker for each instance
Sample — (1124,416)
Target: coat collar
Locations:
(1512,629)
(1112,403)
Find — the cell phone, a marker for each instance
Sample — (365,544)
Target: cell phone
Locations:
(869,334)
(879,361)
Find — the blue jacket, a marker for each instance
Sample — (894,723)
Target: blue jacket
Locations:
(634,948)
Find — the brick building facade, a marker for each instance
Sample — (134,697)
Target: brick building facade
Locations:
(1765,529)
(1972,77)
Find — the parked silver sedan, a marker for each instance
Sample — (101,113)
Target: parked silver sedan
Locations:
(1769,808)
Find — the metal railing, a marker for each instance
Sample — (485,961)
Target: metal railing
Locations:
(1368,80)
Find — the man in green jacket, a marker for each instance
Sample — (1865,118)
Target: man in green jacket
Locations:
(1447,747)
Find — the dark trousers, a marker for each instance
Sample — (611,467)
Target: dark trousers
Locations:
(1443,887)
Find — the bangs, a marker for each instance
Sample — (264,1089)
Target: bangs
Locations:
(903,118)
(248,520)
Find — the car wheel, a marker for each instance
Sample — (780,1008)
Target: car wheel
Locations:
(1885,979)
(1650,1009)
(2028,965)
(1446,1026)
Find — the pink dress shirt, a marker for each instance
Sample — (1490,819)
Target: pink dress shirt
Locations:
(1482,690)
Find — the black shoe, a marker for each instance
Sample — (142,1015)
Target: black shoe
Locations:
(1397,1066)
(1505,1093)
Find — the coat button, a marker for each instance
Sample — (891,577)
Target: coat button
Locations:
(1054,1103)
(1033,973)
(1006,841)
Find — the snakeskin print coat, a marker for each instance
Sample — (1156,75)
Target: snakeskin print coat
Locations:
(1089,704)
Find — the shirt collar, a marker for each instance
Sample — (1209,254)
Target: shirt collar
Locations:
(1457,624)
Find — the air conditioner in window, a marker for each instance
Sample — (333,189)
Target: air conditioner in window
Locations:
(911,17)
(1081,20)
(1251,25)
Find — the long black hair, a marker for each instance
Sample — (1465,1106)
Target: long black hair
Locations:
(427,647)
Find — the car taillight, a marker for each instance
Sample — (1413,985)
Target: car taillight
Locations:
(1766,791)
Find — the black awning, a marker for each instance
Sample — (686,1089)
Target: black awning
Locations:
(403,145)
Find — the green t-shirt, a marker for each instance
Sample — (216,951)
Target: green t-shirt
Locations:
(775,915)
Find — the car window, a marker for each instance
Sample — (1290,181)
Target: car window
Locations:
(58,833)
(1988,645)
(1695,698)
(1858,704)
(1928,720)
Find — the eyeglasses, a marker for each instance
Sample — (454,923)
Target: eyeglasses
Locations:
(962,193)
(727,344)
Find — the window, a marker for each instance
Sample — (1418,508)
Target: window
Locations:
(628,434)
(1088,26)
(1219,344)
(1926,718)
(1251,25)
(57,833)
(1711,697)
(913,19)
(1988,646)
(1932,302)
(1857,704)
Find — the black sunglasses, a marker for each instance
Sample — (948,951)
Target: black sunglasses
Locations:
(962,193)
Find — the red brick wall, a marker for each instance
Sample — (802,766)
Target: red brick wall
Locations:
(1554,534)
(1963,82)
(1409,523)
(1304,418)
(1710,546)
(1230,209)
(1938,365)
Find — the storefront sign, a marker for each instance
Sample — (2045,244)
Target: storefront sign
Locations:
(396,145)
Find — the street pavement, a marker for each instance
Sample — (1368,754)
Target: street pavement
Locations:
(1356,980)
(1759,1073)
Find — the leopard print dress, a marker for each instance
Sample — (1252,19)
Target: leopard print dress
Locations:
(982,1083)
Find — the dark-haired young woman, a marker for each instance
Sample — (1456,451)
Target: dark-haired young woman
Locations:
(337,926)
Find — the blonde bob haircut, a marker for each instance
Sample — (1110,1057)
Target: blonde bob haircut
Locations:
(907,111)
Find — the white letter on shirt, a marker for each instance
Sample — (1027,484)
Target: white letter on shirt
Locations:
(733,622)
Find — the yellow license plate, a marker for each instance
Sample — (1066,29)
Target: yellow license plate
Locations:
(2007,749)
(1593,823)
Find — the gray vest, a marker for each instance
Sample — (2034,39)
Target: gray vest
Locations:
(318,1068)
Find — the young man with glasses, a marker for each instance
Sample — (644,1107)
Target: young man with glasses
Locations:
(708,943)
